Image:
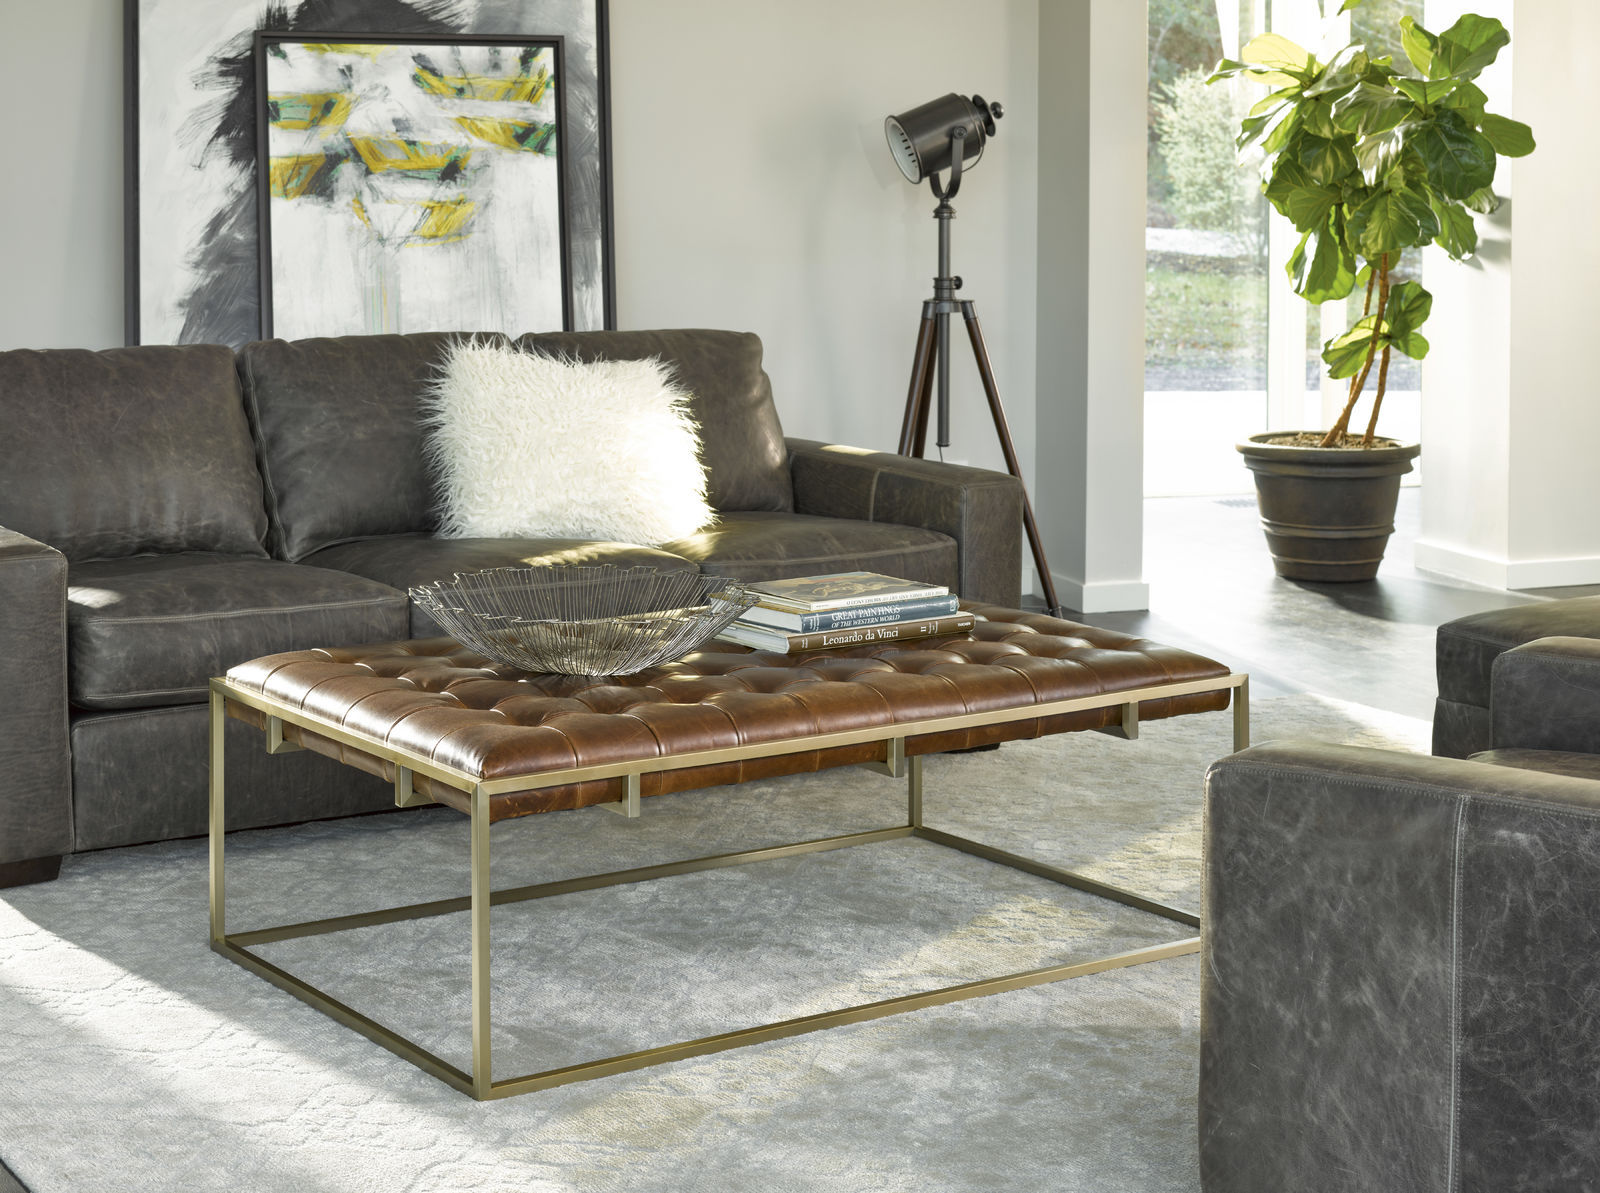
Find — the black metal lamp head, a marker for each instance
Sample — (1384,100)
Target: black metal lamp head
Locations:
(925,139)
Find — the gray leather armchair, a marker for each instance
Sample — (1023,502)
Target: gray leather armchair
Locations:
(1401,980)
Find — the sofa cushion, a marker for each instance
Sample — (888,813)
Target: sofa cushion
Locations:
(340,427)
(744,452)
(151,630)
(753,545)
(1468,646)
(108,454)
(407,560)
(1550,762)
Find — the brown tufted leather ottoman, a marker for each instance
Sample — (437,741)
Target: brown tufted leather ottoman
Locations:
(448,726)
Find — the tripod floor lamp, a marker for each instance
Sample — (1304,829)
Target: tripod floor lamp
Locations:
(946,134)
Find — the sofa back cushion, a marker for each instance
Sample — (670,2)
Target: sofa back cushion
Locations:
(745,457)
(340,428)
(129,451)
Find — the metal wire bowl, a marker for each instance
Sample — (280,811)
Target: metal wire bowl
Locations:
(568,620)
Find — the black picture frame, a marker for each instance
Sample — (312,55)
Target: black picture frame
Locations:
(229,55)
(263,42)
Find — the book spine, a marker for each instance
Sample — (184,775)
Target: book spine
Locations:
(870,598)
(899,631)
(859,615)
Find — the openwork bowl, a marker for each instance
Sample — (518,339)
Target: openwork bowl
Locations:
(570,620)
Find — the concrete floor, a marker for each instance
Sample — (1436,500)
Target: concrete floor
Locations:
(1212,590)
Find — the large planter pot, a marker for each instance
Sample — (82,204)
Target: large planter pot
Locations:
(1327,512)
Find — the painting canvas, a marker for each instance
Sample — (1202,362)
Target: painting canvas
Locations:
(194,252)
(410,185)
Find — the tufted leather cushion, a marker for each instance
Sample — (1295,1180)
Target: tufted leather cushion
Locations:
(341,437)
(153,629)
(774,546)
(403,561)
(438,699)
(107,454)
(743,449)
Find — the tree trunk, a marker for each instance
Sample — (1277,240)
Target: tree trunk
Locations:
(1336,433)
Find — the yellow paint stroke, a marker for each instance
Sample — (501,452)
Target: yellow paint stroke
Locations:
(445,220)
(291,176)
(360,209)
(344,47)
(310,109)
(508,134)
(395,153)
(518,88)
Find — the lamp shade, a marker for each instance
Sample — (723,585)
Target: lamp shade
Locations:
(922,139)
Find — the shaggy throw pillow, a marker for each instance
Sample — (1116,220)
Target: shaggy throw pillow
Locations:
(533,446)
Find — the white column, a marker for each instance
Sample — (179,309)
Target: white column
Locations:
(1510,417)
(1090,493)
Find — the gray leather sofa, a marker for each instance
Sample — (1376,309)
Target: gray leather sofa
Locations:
(171,511)
(1401,973)
(1466,650)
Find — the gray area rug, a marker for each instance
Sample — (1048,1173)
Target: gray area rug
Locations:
(136,1059)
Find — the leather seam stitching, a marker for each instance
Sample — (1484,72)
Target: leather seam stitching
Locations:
(1527,804)
(154,618)
(1453,1173)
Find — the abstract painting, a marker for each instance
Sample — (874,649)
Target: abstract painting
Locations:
(410,184)
(193,265)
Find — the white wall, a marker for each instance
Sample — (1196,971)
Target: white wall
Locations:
(1510,416)
(1090,500)
(754,190)
(61,205)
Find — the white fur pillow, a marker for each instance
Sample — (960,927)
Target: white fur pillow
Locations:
(527,445)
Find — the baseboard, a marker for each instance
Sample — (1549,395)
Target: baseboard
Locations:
(1493,572)
(1102,596)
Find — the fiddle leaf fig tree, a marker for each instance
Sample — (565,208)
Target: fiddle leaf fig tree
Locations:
(1366,160)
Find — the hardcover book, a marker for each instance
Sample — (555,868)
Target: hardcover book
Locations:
(852,615)
(813,594)
(759,638)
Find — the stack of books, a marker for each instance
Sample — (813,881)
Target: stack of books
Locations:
(845,609)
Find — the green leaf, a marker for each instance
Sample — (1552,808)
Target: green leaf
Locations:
(1413,345)
(1510,137)
(1277,52)
(1297,195)
(1272,102)
(1316,117)
(1467,97)
(1229,68)
(1345,354)
(1468,46)
(1458,232)
(1343,72)
(1370,109)
(1379,153)
(1423,91)
(1407,309)
(1349,4)
(1483,201)
(1321,268)
(1326,161)
(1419,45)
(1278,136)
(1459,159)
(1392,220)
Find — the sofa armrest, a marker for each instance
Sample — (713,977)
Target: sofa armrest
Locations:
(1545,695)
(1401,972)
(35,763)
(980,509)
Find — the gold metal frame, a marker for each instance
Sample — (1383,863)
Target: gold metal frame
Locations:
(479,1082)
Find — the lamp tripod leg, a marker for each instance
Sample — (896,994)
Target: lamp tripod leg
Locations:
(914,427)
(1002,428)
